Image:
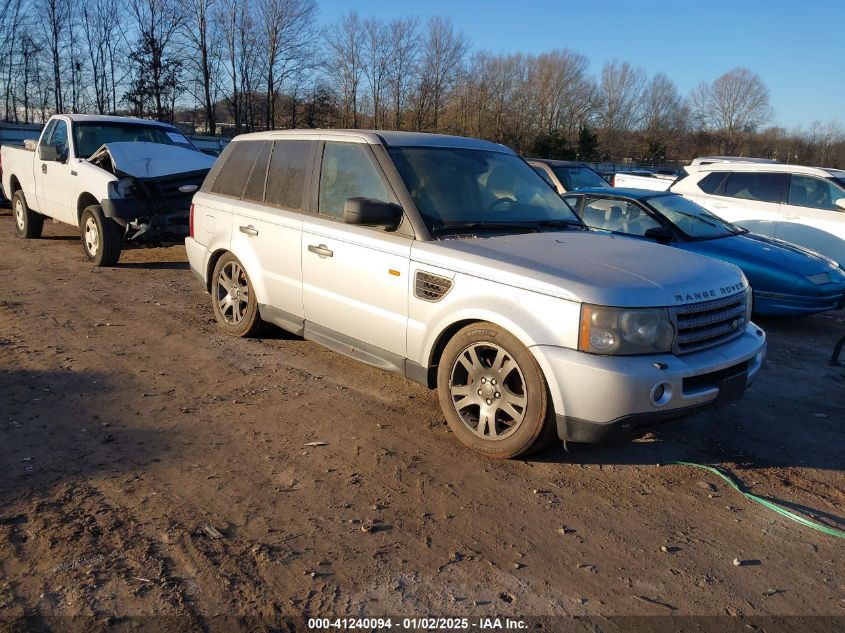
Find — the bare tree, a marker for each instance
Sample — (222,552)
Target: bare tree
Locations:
(620,87)
(663,113)
(203,60)
(444,50)
(734,104)
(376,55)
(54,19)
(289,29)
(157,63)
(345,64)
(404,54)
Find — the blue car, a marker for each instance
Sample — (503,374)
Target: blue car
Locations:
(787,280)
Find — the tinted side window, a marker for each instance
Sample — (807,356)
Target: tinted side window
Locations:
(347,172)
(254,190)
(289,168)
(217,167)
(712,182)
(806,191)
(756,186)
(232,178)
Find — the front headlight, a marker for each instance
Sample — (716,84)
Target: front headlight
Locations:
(622,331)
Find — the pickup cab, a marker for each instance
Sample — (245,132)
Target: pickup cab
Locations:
(452,262)
(117,179)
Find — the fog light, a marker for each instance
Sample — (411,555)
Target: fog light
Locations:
(661,393)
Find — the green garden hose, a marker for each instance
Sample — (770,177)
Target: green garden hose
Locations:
(734,483)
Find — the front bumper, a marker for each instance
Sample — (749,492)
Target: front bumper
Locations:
(778,304)
(599,397)
(139,213)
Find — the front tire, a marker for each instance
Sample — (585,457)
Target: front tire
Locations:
(493,393)
(232,298)
(28,223)
(102,237)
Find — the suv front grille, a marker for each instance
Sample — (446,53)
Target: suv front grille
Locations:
(703,325)
(430,287)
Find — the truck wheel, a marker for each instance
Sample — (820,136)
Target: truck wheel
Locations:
(102,237)
(493,393)
(233,299)
(28,223)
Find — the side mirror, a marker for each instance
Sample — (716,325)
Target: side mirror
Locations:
(840,203)
(48,153)
(371,212)
(659,234)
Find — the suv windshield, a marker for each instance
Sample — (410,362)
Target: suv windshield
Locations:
(89,137)
(693,220)
(578,177)
(454,187)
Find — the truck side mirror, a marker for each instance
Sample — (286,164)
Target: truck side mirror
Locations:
(371,212)
(840,203)
(659,234)
(48,153)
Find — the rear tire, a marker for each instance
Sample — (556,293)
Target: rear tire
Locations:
(493,393)
(233,299)
(102,237)
(28,223)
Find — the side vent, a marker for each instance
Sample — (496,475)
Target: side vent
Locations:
(429,287)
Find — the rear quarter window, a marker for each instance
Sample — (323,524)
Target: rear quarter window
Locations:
(233,176)
(712,183)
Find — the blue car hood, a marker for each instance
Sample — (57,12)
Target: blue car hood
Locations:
(756,252)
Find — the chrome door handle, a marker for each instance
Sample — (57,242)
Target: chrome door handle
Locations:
(322,250)
(249,230)
(792,217)
(43,168)
(720,206)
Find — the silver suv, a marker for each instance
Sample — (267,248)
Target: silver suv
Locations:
(450,261)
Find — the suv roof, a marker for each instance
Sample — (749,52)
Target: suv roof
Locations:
(382,137)
(706,160)
(766,167)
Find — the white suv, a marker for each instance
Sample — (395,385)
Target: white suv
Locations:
(451,262)
(802,205)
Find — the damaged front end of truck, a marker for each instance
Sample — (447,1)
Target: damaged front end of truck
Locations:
(151,195)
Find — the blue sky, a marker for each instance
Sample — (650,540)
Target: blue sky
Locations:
(797,48)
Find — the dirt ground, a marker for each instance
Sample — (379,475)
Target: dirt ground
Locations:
(151,465)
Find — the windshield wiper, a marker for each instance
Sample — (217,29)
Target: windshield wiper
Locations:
(561,223)
(485,226)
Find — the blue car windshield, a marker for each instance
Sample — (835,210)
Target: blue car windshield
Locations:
(692,219)
(454,186)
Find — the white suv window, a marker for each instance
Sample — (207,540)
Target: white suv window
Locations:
(816,193)
(347,172)
(763,187)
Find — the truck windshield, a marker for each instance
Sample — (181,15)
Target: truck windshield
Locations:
(455,187)
(693,220)
(578,177)
(89,137)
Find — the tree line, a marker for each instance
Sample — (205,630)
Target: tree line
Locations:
(230,66)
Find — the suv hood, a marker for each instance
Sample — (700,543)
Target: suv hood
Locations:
(151,160)
(588,267)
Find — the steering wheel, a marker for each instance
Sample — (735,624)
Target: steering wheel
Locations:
(500,201)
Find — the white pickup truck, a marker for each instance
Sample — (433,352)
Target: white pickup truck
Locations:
(115,178)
